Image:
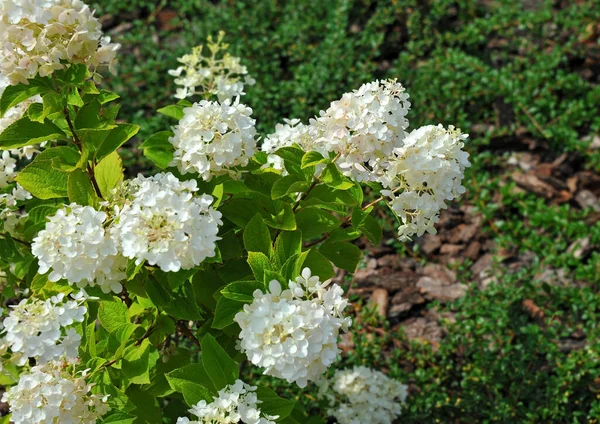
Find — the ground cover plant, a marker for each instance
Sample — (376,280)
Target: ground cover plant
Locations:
(492,319)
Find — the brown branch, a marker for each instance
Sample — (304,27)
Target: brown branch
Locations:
(108,364)
(90,169)
(23,242)
(535,123)
(187,333)
(305,194)
(147,334)
(319,240)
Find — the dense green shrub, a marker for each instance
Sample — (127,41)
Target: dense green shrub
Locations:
(461,61)
(508,67)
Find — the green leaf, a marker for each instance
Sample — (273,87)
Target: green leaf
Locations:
(194,393)
(109,173)
(158,149)
(75,74)
(272,404)
(176,279)
(193,382)
(358,216)
(15,94)
(89,117)
(173,111)
(112,315)
(284,219)
(36,112)
(26,132)
(334,178)
(147,409)
(287,245)
(263,182)
(314,222)
(257,237)
(80,189)
(135,365)
(119,338)
(64,158)
(206,284)
(190,373)
(132,269)
(292,159)
(242,291)
(90,339)
(293,266)
(39,213)
(53,107)
(115,139)
(371,228)
(229,246)
(273,275)
(312,159)
(319,265)
(178,358)
(225,312)
(158,294)
(38,283)
(43,181)
(288,185)
(217,194)
(185,303)
(344,234)
(343,254)
(74,98)
(259,262)
(106,96)
(221,369)
(325,195)
(118,417)
(89,87)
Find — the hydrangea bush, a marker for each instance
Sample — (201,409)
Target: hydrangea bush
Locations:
(137,300)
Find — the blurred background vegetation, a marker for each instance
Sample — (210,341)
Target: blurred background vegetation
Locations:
(521,344)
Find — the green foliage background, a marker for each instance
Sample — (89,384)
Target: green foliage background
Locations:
(509,67)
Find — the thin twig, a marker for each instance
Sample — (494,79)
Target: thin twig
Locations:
(77,140)
(186,332)
(319,240)
(373,203)
(535,123)
(23,242)
(306,193)
(147,334)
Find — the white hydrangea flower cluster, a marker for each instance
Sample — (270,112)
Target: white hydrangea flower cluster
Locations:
(236,403)
(362,128)
(209,75)
(163,223)
(11,116)
(10,214)
(8,169)
(42,36)
(77,248)
(366,129)
(213,138)
(365,126)
(156,219)
(363,395)
(41,329)
(54,393)
(288,134)
(429,169)
(293,333)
